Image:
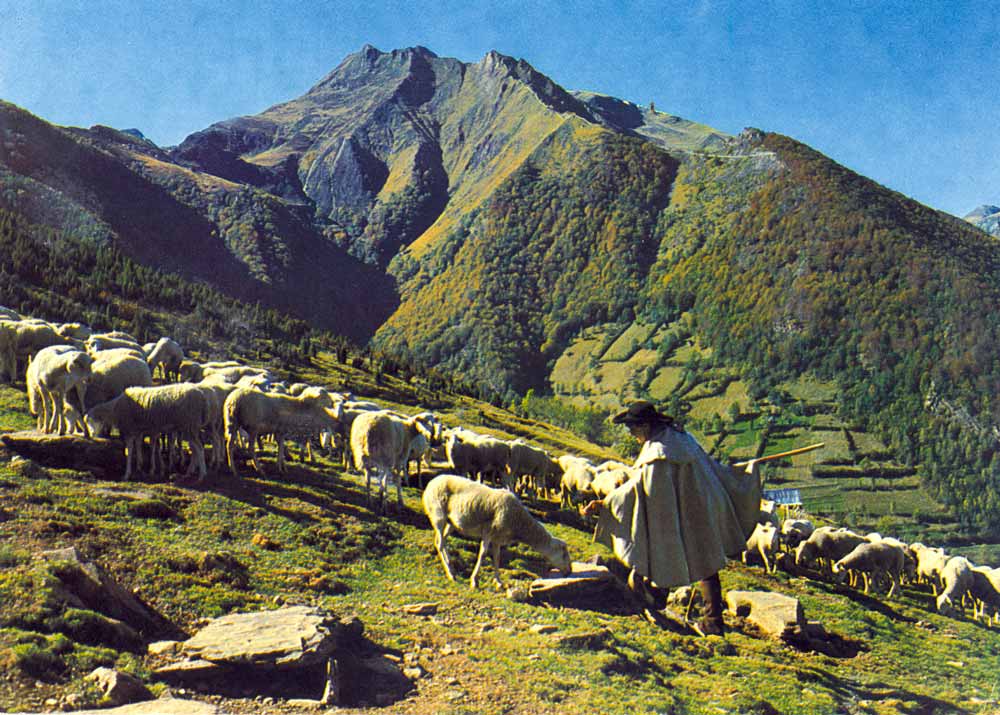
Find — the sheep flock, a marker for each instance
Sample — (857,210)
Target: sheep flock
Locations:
(179,416)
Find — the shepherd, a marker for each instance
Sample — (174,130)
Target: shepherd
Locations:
(679,519)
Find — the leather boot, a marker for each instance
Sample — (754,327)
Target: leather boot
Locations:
(711,622)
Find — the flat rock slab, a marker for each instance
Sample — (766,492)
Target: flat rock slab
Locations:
(584,578)
(776,614)
(101,456)
(285,638)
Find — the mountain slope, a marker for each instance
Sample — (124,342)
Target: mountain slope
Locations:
(110,187)
(478,217)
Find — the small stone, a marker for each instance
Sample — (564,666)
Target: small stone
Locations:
(955,663)
(451,681)
(534,656)
(421,609)
(163,647)
(453,695)
(518,594)
(414,673)
(447,650)
(486,628)
(51,702)
(543,628)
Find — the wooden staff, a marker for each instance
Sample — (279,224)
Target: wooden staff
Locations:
(779,455)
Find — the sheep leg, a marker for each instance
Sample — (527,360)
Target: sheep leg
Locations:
(767,564)
(440,534)
(253,440)
(484,545)
(129,457)
(496,564)
(81,390)
(281,453)
(399,493)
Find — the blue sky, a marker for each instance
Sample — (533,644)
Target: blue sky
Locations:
(903,92)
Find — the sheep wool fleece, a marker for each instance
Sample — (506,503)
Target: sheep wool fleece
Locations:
(682,515)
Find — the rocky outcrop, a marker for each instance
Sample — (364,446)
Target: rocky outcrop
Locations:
(119,688)
(84,584)
(294,652)
(986,217)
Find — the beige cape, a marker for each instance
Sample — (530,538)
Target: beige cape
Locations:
(682,515)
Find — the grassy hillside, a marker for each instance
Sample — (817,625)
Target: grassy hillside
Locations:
(310,537)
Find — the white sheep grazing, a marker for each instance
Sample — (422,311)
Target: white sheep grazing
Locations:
(167,355)
(827,545)
(577,478)
(261,413)
(525,462)
(795,531)
(956,579)
(494,516)
(181,409)
(380,443)
(930,564)
(52,373)
(217,393)
(764,541)
(477,455)
(351,410)
(873,560)
(985,592)
(110,373)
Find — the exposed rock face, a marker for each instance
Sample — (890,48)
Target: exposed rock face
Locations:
(87,585)
(986,217)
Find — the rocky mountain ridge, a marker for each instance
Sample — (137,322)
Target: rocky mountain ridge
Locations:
(986,217)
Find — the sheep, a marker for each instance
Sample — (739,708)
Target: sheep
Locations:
(9,313)
(217,392)
(52,373)
(107,341)
(420,449)
(77,331)
(260,413)
(577,478)
(956,579)
(494,516)
(192,371)
(167,355)
(985,592)
(930,564)
(827,545)
(873,560)
(21,339)
(351,410)
(795,531)
(476,455)
(608,478)
(909,571)
(380,443)
(525,461)
(764,540)
(110,373)
(233,374)
(181,409)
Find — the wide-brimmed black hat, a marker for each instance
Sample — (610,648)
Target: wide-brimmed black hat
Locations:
(641,412)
